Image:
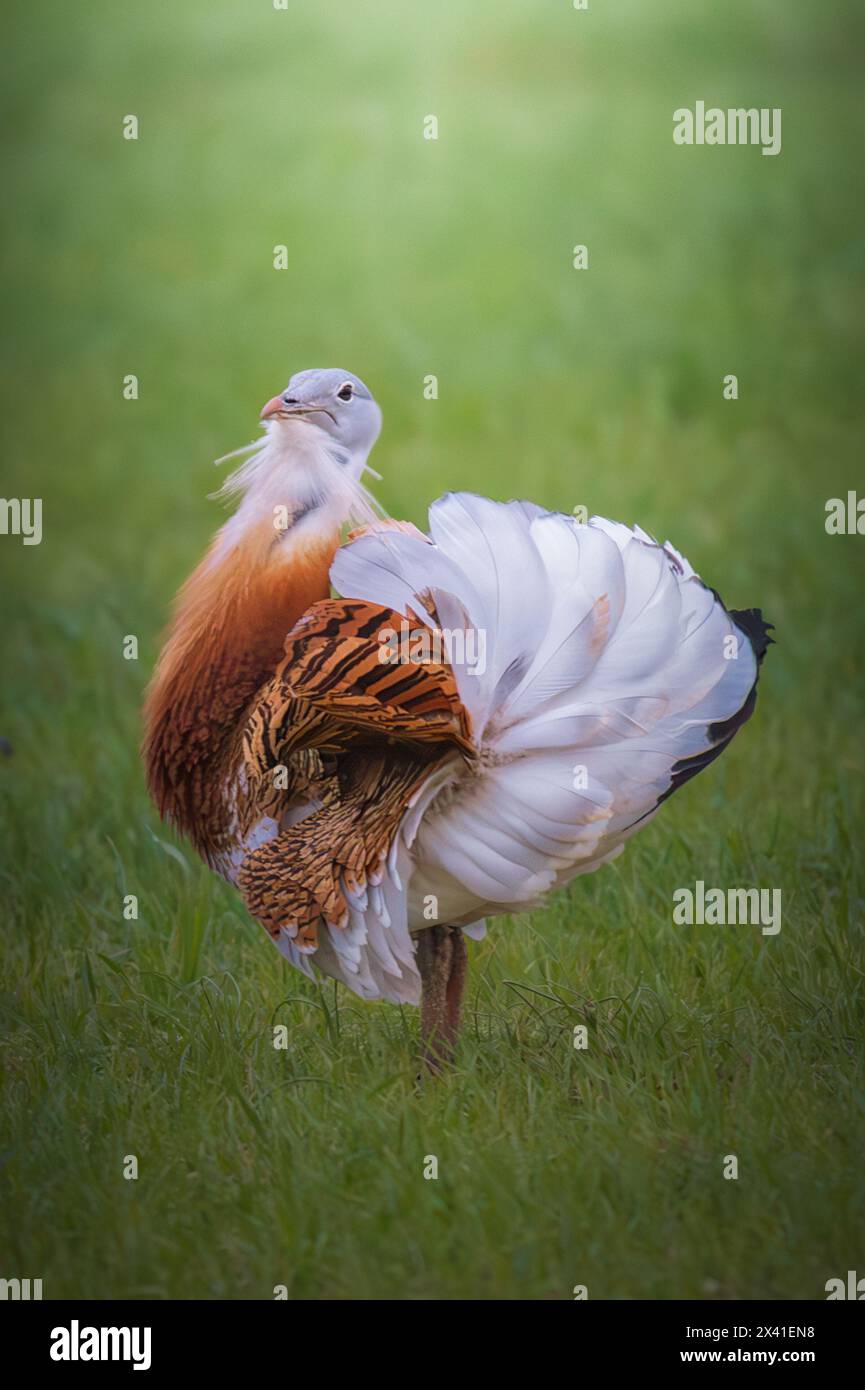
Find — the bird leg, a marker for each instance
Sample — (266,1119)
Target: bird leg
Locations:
(441,958)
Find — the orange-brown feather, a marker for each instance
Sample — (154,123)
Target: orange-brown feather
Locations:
(228,633)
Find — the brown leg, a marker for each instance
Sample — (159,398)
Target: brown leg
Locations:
(441,958)
(456,982)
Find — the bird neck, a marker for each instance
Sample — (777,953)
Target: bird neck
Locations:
(265,567)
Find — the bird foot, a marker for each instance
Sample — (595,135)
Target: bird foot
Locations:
(441,957)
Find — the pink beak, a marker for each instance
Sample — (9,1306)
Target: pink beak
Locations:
(275,404)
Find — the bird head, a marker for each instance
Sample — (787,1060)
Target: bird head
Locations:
(330,400)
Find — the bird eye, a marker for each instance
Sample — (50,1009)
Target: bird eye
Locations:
(346,391)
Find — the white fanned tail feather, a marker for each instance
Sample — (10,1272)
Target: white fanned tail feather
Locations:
(611,673)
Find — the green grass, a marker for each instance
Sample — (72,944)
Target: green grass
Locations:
(304,1166)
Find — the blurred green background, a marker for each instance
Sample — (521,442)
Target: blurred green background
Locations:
(600,387)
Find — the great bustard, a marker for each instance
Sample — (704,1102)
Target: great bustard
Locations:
(484,713)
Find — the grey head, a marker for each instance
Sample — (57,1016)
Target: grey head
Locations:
(334,401)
